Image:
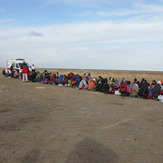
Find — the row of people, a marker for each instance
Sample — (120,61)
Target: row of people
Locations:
(111,86)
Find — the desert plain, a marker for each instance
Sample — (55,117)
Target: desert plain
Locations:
(51,124)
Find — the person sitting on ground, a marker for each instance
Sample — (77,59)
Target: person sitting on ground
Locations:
(11,71)
(4,74)
(91,84)
(105,86)
(73,82)
(150,90)
(126,88)
(45,74)
(83,84)
(116,85)
(111,81)
(135,89)
(32,77)
(123,87)
(16,74)
(60,83)
(157,90)
(39,77)
(53,79)
(153,83)
(78,79)
(143,88)
(89,76)
(129,88)
(99,84)
(65,80)
(46,77)
(136,81)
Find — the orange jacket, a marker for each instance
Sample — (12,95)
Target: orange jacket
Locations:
(91,84)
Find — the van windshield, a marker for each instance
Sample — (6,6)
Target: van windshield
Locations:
(20,65)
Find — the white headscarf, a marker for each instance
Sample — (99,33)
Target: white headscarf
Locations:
(159,82)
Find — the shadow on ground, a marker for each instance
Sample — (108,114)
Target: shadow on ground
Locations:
(89,151)
(32,156)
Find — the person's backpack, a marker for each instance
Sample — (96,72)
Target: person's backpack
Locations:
(64,80)
(129,89)
(70,75)
(73,82)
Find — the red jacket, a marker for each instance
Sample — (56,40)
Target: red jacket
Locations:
(25,69)
(124,87)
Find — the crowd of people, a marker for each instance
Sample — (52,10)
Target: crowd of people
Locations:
(24,73)
(135,88)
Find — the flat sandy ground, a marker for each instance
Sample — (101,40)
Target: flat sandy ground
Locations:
(50,124)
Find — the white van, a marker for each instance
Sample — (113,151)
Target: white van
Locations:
(15,63)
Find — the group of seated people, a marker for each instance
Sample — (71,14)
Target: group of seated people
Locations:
(14,74)
(136,88)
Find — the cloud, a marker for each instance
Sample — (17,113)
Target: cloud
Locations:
(129,37)
(136,9)
(6,20)
(36,34)
(87,45)
(91,32)
(149,8)
(106,31)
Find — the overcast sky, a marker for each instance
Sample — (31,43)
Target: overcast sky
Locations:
(95,34)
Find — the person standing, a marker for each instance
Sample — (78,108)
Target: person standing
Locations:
(25,71)
(33,68)
(30,68)
(11,68)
